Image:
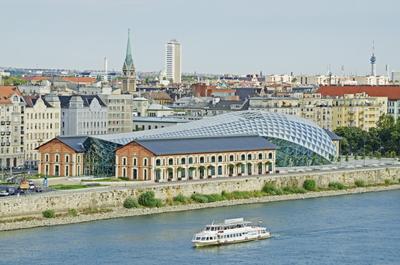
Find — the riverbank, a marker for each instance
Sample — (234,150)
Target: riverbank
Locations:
(33,221)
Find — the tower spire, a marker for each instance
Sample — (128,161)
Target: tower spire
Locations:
(128,70)
(128,63)
(373,60)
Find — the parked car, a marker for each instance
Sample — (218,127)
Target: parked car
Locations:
(4,191)
(12,190)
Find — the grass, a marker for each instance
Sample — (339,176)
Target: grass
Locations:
(94,210)
(107,180)
(68,186)
(359,183)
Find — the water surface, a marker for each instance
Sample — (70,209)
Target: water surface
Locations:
(353,229)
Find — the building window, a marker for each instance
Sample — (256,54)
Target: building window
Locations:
(46,157)
(170,161)
(57,158)
(46,170)
(213,159)
(158,162)
(183,161)
(249,157)
(243,157)
(145,162)
(66,171)
(231,158)
(124,172)
(56,170)
(220,158)
(134,173)
(124,161)
(260,156)
(145,174)
(219,170)
(66,158)
(202,159)
(135,162)
(190,160)
(270,156)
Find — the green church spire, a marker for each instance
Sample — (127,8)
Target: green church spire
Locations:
(128,64)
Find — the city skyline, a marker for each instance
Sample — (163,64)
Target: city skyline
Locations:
(224,38)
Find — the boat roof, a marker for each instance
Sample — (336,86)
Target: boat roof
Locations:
(234,221)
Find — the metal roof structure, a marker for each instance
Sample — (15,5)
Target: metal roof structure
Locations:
(193,145)
(272,125)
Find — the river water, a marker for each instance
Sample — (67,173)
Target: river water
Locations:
(352,229)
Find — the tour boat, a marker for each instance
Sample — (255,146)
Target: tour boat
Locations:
(230,231)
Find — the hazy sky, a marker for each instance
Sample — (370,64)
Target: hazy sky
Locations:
(217,36)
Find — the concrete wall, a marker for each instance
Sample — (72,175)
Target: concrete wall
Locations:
(114,197)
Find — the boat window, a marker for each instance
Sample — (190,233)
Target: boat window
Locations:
(207,228)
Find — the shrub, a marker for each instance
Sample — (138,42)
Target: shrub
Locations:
(359,183)
(49,214)
(214,197)
(388,182)
(131,203)
(270,188)
(293,189)
(72,212)
(180,198)
(309,184)
(200,198)
(336,186)
(147,199)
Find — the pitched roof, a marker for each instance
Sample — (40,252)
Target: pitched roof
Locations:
(74,142)
(31,101)
(6,92)
(87,99)
(205,144)
(391,92)
(79,79)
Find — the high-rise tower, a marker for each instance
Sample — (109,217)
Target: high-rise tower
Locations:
(128,70)
(373,60)
(173,61)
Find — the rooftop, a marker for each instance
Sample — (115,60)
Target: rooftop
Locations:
(391,92)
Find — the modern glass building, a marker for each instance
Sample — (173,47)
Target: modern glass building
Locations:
(300,142)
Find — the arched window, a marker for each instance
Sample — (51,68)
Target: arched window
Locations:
(170,161)
(202,159)
(190,160)
(134,161)
(243,157)
(219,170)
(46,157)
(183,161)
(66,158)
(270,156)
(213,159)
(145,162)
(249,157)
(145,174)
(219,158)
(260,156)
(231,157)
(124,161)
(158,162)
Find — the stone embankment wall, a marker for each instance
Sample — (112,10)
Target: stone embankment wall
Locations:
(114,196)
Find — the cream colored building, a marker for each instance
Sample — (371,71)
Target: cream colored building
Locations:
(12,134)
(42,123)
(357,110)
(173,61)
(120,109)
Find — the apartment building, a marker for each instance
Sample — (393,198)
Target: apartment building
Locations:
(120,108)
(42,123)
(12,134)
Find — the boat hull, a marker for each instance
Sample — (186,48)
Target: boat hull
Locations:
(221,242)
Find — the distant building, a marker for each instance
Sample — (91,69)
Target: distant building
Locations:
(83,115)
(12,134)
(42,123)
(128,70)
(173,61)
(151,123)
(119,112)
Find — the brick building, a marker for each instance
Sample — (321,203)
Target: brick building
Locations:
(194,158)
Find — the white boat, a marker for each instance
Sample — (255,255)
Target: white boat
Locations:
(230,231)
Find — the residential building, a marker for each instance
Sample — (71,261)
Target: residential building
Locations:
(173,61)
(151,123)
(392,93)
(128,70)
(42,123)
(164,160)
(83,115)
(120,110)
(12,127)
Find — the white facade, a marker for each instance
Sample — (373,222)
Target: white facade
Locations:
(43,118)
(83,115)
(173,61)
(394,108)
(120,112)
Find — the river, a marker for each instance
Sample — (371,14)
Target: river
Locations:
(352,229)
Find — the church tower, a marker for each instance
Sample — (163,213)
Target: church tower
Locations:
(128,71)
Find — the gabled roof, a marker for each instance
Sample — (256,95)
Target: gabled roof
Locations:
(79,79)
(6,92)
(87,99)
(31,101)
(193,145)
(74,142)
(391,92)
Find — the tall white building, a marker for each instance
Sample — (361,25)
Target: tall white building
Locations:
(173,61)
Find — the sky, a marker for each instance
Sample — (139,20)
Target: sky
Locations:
(217,36)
